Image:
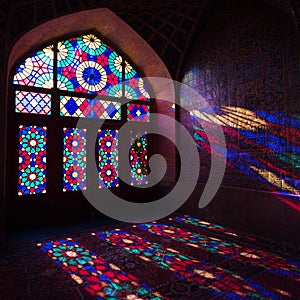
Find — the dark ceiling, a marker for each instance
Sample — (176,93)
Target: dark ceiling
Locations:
(167,25)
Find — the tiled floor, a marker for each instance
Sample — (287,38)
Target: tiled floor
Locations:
(180,257)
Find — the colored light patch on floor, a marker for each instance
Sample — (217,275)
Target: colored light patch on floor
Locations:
(210,226)
(275,264)
(219,281)
(99,277)
(222,247)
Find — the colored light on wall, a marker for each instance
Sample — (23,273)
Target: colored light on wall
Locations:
(275,180)
(235,117)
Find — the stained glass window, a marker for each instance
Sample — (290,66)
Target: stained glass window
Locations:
(33,103)
(86,64)
(89,108)
(138,159)
(108,158)
(74,159)
(138,112)
(32,160)
(135,87)
(37,70)
(89,80)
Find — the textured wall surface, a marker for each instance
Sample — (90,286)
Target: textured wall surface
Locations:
(246,67)
(245,63)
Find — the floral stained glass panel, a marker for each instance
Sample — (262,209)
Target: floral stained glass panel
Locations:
(108,158)
(74,159)
(33,103)
(37,70)
(138,159)
(89,108)
(32,160)
(86,64)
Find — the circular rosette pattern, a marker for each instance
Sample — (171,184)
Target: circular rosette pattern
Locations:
(109,174)
(32,180)
(91,44)
(75,143)
(75,175)
(115,64)
(91,76)
(108,143)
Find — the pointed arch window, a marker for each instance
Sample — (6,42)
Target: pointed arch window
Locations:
(55,86)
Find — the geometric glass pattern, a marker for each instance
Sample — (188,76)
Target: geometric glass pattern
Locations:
(32,160)
(86,64)
(74,159)
(76,70)
(100,278)
(138,159)
(89,108)
(138,112)
(37,70)
(108,157)
(33,103)
(135,87)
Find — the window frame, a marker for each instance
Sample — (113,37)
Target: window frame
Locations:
(55,123)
